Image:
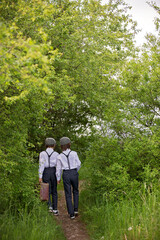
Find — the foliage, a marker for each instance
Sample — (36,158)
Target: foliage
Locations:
(34,224)
(56,58)
(71,68)
(23,89)
(124,220)
(116,169)
(130,140)
(125,157)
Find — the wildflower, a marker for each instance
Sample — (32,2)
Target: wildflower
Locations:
(130,228)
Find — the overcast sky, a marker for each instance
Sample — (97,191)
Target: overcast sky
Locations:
(144,15)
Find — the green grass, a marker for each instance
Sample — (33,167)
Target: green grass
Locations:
(126,220)
(60,185)
(36,224)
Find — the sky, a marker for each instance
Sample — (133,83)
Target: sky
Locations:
(144,15)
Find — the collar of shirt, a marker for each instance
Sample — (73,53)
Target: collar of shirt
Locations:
(67,151)
(49,150)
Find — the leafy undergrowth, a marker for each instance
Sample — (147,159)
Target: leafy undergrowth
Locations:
(125,220)
(36,224)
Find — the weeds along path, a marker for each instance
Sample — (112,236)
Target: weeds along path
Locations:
(73,229)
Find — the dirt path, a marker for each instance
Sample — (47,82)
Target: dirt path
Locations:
(73,229)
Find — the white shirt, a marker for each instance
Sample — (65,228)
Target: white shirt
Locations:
(62,162)
(43,160)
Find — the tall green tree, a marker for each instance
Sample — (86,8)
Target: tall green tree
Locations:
(25,73)
(93,40)
(127,154)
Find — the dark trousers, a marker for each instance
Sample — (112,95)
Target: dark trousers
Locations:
(49,176)
(70,180)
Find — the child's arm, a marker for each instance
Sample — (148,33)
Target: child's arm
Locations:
(78,162)
(58,169)
(41,166)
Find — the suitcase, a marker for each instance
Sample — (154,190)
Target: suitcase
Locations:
(44,191)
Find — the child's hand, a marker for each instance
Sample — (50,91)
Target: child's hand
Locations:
(58,181)
(40,180)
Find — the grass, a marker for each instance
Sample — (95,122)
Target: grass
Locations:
(126,220)
(36,224)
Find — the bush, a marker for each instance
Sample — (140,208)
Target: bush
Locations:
(18,179)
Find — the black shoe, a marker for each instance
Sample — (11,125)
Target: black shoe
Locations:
(72,216)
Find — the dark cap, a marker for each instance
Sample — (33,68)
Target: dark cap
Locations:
(64,141)
(50,142)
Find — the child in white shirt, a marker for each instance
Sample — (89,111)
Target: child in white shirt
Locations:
(68,162)
(47,172)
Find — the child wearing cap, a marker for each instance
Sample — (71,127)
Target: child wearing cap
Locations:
(47,172)
(69,162)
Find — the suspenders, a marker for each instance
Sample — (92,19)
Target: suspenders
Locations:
(49,157)
(67,156)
